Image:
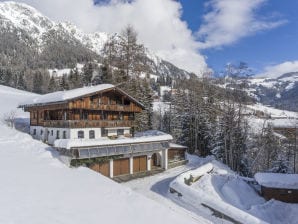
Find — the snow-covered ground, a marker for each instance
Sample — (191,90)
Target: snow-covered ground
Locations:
(221,189)
(273,112)
(36,187)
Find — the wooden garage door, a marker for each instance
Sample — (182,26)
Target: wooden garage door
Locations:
(139,164)
(103,168)
(121,166)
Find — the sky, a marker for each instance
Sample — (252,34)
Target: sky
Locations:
(195,34)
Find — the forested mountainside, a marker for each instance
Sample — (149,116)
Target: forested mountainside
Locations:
(31,43)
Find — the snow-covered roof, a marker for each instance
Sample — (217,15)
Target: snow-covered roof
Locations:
(66,95)
(73,143)
(62,96)
(177,146)
(283,123)
(277,180)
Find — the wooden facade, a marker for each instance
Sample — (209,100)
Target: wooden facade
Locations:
(121,166)
(285,195)
(139,164)
(112,108)
(103,168)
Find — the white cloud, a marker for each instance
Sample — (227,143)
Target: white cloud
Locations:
(158,23)
(230,20)
(274,71)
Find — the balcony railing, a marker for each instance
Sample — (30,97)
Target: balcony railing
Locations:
(88,123)
(109,107)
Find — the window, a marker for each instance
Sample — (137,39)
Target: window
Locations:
(34,131)
(104,132)
(91,134)
(126,102)
(80,134)
(64,135)
(41,132)
(120,131)
(57,134)
(52,132)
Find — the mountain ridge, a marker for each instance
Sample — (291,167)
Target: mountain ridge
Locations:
(31,28)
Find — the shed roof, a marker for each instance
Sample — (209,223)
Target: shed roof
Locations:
(277,180)
(177,146)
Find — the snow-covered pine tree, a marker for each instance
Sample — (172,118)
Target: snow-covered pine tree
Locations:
(87,74)
(21,82)
(63,84)
(37,82)
(74,79)
(52,87)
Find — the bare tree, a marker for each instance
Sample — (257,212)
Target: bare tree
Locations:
(9,118)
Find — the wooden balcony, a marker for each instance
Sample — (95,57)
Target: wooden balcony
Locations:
(88,123)
(107,107)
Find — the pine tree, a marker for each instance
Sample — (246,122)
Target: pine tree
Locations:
(52,87)
(37,82)
(63,85)
(21,82)
(74,79)
(87,75)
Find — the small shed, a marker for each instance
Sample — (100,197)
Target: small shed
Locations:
(279,186)
(176,155)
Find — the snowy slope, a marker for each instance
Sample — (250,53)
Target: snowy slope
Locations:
(36,187)
(223,190)
(279,92)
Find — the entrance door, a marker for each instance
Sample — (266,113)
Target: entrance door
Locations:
(155,160)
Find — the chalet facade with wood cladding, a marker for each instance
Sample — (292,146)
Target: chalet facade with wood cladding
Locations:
(106,112)
(94,126)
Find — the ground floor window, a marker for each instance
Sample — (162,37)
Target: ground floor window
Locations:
(104,132)
(91,134)
(57,134)
(64,134)
(34,131)
(120,131)
(80,134)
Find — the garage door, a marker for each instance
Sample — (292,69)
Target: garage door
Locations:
(121,167)
(103,168)
(139,164)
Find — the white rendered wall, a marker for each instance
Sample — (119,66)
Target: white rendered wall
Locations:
(38,135)
(74,132)
(50,134)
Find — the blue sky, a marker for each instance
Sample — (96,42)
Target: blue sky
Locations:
(195,34)
(259,50)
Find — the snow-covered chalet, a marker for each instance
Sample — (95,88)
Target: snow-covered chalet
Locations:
(94,126)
